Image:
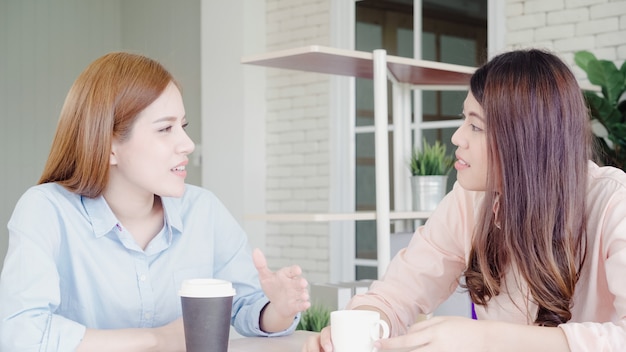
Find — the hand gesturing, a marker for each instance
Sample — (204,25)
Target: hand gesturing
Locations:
(285,288)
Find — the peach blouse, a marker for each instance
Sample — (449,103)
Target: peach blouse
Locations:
(423,275)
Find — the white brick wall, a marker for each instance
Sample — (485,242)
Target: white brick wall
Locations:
(567,26)
(298,140)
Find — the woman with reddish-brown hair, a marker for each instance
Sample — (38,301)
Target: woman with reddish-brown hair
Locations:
(99,248)
(534,230)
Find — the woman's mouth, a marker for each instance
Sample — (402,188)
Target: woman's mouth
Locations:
(180,170)
(461,164)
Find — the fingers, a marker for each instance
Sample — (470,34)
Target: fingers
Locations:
(294,271)
(325,340)
(319,342)
(312,344)
(260,262)
(303,303)
(404,343)
(296,300)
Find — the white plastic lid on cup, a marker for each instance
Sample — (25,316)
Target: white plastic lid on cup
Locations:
(206,288)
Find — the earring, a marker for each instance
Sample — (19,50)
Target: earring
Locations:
(496,212)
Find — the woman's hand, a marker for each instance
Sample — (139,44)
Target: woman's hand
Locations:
(440,334)
(319,342)
(286,290)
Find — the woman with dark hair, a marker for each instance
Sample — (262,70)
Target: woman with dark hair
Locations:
(534,230)
(98,250)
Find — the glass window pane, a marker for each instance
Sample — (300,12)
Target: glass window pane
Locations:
(456,50)
(405,42)
(369,36)
(452,103)
(366,273)
(429,48)
(364,102)
(366,239)
(429,102)
(365,172)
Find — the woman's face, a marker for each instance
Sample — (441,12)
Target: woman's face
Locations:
(153,160)
(471,142)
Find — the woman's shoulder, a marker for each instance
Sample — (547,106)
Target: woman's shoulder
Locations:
(606,192)
(52,192)
(47,201)
(606,179)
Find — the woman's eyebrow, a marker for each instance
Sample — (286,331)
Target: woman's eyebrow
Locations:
(473,114)
(166,119)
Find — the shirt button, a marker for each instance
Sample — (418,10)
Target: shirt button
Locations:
(147,315)
(142,278)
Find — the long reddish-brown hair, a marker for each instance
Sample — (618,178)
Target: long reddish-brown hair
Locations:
(538,138)
(101,105)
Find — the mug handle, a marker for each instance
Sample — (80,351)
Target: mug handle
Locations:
(375,332)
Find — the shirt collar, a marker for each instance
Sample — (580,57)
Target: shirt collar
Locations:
(103,219)
(101,216)
(172,208)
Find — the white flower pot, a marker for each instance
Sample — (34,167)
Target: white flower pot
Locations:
(428,191)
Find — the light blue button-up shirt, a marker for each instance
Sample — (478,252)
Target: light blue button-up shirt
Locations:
(71,265)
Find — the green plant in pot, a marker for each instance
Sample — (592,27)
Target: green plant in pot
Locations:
(314,319)
(430,167)
(608,108)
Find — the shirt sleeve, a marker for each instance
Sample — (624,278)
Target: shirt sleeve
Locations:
(610,239)
(233,262)
(29,286)
(425,273)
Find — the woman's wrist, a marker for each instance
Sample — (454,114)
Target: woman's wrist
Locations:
(271,321)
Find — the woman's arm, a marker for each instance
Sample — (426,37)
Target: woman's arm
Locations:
(166,338)
(463,334)
(422,275)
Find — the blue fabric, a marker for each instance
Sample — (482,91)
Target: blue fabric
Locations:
(71,265)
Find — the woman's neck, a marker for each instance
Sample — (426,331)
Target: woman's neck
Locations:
(142,216)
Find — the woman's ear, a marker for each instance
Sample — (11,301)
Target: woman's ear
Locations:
(113,157)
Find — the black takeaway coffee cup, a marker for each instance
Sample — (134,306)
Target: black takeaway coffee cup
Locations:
(207,305)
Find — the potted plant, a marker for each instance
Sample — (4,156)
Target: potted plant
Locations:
(608,108)
(430,167)
(314,319)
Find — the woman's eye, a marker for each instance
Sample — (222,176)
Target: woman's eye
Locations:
(185,125)
(475,128)
(166,129)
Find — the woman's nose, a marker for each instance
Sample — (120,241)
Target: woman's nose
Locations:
(456,137)
(187,146)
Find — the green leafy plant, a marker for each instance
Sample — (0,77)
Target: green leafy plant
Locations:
(430,160)
(315,318)
(608,108)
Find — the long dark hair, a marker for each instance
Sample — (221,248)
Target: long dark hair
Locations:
(538,138)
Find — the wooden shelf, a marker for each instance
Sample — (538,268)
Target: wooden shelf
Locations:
(327,217)
(321,59)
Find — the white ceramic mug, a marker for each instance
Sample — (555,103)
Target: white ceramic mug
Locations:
(356,330)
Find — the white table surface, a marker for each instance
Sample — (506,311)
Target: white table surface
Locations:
(291,343)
